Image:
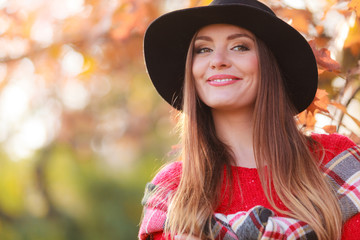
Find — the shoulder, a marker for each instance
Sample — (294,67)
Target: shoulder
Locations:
(333,141)
(166,181)
(156,200)
(169,174)
(332,144)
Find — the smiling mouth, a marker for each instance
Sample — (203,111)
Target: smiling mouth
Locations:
(222,79)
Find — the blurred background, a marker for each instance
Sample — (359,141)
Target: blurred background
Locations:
(81,127)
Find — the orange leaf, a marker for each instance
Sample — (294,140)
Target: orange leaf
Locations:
(330,128)
(324,59)
(319,29)
(320,102)
(355,5)
(353,39)
(320,71)
(339,106)
(310,121)
(321,93)
(301,19)
(354,119)
(301,117)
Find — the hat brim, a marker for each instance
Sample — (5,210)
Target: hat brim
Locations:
(167,40)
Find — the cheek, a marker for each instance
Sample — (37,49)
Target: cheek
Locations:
(197,72)
(195,69)
(199,67)
(252,64)
(199,88)
(255,69)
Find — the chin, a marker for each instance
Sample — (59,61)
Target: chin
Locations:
(226,107)
(235,107)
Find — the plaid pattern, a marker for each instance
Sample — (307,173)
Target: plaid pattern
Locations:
(343,172)
(259,223)
(155,209)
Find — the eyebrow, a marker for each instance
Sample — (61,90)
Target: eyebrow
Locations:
(230,37)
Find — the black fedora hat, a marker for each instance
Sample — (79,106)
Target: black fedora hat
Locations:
(167,40)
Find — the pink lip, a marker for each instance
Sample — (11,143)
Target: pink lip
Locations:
(211,80)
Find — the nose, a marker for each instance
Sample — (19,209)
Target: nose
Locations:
(219,60)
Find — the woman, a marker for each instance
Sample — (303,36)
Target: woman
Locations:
(238,75)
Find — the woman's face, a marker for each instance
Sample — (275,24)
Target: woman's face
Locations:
(225,67)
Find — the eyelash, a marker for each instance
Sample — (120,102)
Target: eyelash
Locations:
(202,50)
(242,48)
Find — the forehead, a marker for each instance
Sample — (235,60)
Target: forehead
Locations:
(216,29)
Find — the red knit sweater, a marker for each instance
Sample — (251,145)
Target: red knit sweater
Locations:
(247,191)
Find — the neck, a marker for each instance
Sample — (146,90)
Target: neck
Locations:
(236,130)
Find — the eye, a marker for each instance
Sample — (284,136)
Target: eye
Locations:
(241,48)
(203,50)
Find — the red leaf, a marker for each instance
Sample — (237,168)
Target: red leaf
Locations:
(324,59)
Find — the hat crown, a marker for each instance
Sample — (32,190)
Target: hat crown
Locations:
(250,3)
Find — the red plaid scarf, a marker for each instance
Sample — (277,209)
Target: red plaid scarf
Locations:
(343,172)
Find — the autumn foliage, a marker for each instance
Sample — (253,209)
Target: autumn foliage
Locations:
(337,53)
(81,124)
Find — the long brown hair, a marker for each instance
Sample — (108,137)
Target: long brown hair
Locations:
(282,155)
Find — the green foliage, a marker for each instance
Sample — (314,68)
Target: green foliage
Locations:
(72,197)
(81,127)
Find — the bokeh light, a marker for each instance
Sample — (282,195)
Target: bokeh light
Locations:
(81,127)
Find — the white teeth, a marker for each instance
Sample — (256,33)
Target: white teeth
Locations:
(223,80)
